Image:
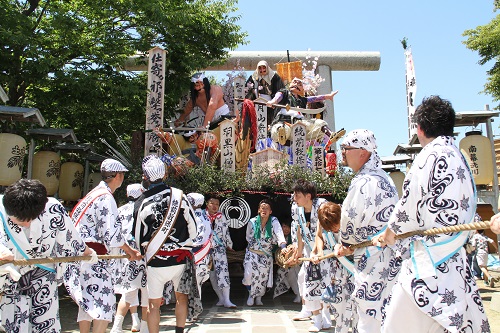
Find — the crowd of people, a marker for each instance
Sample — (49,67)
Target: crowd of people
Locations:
(173,244)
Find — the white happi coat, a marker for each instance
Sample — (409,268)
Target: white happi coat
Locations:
(365,211)
(220,240)
(316,276)
(439,191)
(341,274)
(286,278)
(91,285)
(204,232)
(32,304)
(131,274)
(258,265)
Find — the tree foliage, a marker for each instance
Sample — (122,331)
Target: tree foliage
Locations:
(486,41)
(65,57)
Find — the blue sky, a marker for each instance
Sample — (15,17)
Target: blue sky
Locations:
(377,100)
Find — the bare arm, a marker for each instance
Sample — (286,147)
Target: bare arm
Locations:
(187,110)
(133,253)
(215,97)
(495,223)
(319,243)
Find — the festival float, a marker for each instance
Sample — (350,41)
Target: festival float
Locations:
(245,159)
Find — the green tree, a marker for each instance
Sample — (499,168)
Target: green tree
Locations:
(65,57)
(485,40)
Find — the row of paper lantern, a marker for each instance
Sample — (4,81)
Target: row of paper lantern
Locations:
(64,179)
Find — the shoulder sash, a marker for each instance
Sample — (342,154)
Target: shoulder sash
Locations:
(81,207)
(306,232)
(161,234)
(18,247)
(330,239)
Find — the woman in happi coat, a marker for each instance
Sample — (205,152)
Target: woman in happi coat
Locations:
(338,295)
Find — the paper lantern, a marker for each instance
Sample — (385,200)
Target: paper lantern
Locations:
(478,150)
(289,70)
(94,180)
(71,181)
(12,151)
(47,169)
(398,178)
(331,163)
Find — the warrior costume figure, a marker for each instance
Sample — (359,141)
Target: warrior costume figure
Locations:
(263,83)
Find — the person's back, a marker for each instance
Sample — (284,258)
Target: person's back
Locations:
(438,191)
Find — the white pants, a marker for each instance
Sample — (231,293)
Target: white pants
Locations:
(159,276)
(404,316)
(222,111)
(301,280)
(132,297)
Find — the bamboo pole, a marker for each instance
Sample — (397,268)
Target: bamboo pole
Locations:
(54,260)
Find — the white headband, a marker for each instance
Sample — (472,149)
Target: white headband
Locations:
(197,77)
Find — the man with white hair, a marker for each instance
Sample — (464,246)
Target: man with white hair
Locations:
(365,211)
(95,218)
(210,99)
(165,227)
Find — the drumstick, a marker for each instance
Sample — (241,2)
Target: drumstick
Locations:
(434,231)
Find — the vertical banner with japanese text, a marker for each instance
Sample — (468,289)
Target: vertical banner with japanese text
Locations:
(239,94)
(227,145)
(261,111)
(411,91)
(299,154)
(156,92)
(318,158)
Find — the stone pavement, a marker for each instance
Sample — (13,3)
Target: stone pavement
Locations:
(275,316)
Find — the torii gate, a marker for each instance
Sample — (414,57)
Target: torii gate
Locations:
(328,61)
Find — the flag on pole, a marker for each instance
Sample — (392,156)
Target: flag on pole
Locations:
(411,90)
